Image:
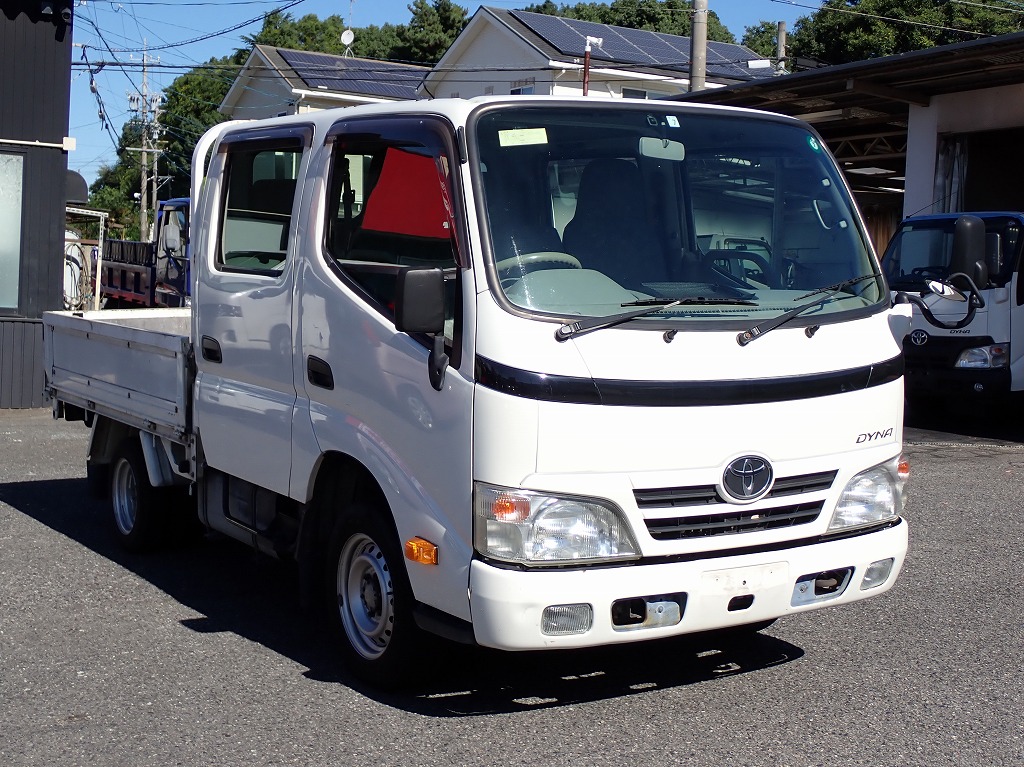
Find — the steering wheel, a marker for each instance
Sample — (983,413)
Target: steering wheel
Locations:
(535,259)
(935,272)
(768,276)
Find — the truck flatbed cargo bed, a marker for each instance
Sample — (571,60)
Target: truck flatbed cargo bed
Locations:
(131,365)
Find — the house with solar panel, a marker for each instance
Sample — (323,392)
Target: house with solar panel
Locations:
(504,52)
(281,81)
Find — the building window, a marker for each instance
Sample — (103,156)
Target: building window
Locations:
(12,167)
(634,93)
(523,87)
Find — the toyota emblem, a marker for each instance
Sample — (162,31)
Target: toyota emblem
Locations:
(747,478)
(919,337)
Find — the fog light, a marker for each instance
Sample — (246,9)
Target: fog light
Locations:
(876,574)
(562,620)
(820,587)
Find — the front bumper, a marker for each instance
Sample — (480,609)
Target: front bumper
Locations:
(507,605)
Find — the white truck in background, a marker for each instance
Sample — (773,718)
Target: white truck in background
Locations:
(463,410)
(951,356)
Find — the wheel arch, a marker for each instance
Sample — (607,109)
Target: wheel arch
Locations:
(107,434)
(339,481)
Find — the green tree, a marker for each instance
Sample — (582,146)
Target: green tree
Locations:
(431,31)
(853,30)
(190,108)
(762,38)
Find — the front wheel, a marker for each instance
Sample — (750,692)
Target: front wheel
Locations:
(369,597)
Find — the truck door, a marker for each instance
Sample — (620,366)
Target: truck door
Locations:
(392,203)
(245,382)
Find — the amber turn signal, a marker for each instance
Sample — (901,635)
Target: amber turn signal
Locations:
(420,550)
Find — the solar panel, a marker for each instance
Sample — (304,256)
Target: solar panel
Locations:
(637,46)
(362,76)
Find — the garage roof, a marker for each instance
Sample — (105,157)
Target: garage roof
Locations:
(861,108)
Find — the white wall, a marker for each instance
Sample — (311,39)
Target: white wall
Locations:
(968,112)
(262,97)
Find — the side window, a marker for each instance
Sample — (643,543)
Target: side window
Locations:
(260,185)
(391,207)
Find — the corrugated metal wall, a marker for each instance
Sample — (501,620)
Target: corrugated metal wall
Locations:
(35,89)
(21,363)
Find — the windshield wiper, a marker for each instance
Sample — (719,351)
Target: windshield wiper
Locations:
(651,306)
(761,328)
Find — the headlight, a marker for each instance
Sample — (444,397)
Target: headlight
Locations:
(996,356)
(525,527)
(875,495)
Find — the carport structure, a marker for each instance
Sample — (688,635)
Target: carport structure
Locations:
(928,131)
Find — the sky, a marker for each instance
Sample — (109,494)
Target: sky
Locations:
(178,34)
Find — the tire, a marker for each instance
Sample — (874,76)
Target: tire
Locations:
(369,599)
(137,509)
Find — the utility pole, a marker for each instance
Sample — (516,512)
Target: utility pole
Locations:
(146,105)
(699,45)
(598,41)
(781,44)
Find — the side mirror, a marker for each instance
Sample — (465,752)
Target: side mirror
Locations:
(419,301)
(969,252)
(944,290)
(419,308)
(172,238)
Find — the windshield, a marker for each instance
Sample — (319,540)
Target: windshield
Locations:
(730,217)
(921,250)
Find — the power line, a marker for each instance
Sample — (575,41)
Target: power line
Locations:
(218,33)
(826,8)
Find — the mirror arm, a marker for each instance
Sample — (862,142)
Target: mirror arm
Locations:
(974,302)
(437,362)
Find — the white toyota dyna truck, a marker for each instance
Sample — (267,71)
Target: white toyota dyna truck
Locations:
(533,373)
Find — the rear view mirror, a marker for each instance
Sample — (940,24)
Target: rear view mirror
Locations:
(969,252)
(662,148)
(943,290)
(172,238)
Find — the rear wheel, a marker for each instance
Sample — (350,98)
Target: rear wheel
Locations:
(138,520)
(369,597)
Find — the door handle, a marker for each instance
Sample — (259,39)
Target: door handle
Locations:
(211,349)
(319,373)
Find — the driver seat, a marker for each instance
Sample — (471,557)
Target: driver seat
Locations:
(610,232)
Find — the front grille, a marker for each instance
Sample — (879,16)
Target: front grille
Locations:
(739,520)
(728,518)
(704,495)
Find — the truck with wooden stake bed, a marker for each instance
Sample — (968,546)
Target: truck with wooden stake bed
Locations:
(530,372)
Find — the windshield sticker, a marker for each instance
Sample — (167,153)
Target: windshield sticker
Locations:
(522,136)
(672,120)
(813,144)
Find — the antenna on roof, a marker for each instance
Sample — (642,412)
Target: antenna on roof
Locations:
(348,35)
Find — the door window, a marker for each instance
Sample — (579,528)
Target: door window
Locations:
(390,207)
(261,182)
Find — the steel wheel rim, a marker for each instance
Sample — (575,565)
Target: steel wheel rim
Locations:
(126,497)
(366,600)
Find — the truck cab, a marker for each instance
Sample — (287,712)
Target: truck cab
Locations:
(982,360)
(534,373)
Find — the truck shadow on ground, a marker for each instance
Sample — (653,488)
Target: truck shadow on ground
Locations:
(238,591)
(932,419)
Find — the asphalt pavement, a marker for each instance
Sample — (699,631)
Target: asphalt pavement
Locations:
(201,655)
